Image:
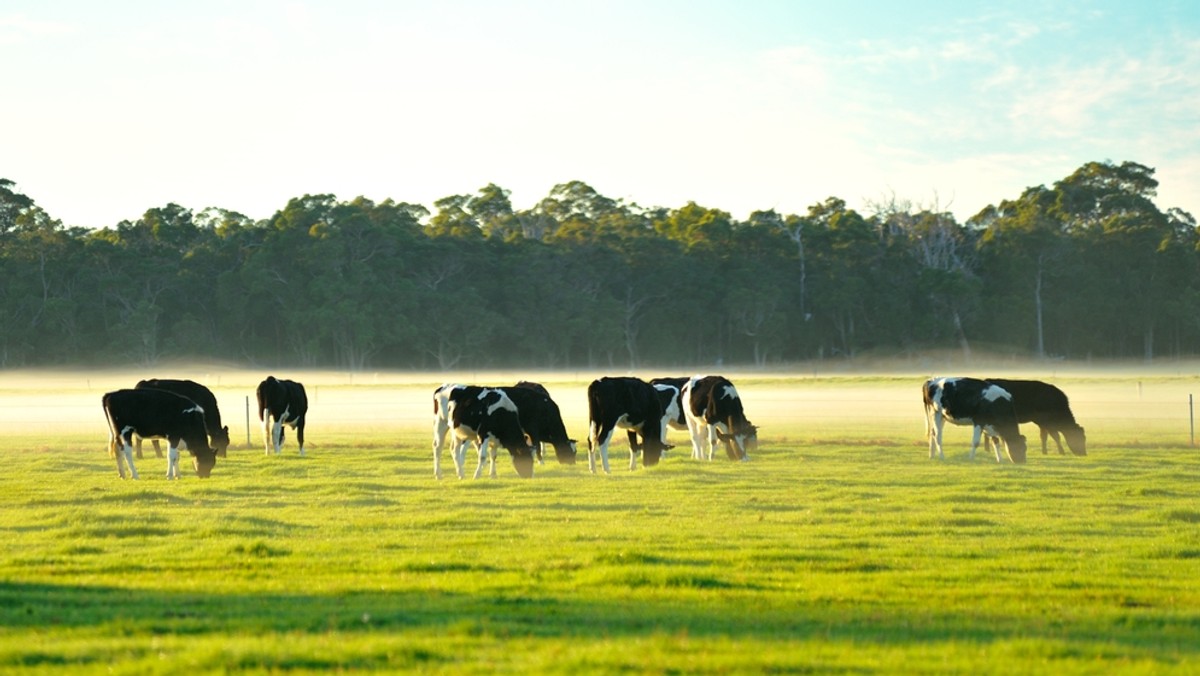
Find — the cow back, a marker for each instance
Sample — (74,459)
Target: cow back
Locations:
(219,435)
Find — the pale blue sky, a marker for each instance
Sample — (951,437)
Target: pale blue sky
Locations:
(111,108)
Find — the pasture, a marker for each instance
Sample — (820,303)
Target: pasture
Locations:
(840,547)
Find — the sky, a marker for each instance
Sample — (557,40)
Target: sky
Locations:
(109,109)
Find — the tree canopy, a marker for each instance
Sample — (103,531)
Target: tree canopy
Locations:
(1089,267)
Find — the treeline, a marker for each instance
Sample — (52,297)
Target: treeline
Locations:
(1088,268)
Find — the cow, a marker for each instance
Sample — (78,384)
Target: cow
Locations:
(281,402)
(542,420)
(985,406)
(629,403)
(218,435)
(151,414)
(713,411)
(486,419)
(1046,406)
(538,414)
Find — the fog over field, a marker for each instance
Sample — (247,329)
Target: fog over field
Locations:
(1130,404)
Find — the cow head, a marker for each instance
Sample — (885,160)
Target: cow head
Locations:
(652,451)
(1016,449)
(1076,440)
(739,443)
(203,460)
(220,441)
(566,452)
(523,462)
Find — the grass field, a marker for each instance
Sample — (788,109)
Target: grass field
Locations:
(839,548)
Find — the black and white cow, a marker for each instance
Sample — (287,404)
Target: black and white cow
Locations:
(629,403)
(713,411)
(985,406)
(487,419)
(150,414)
(1046,406)
(218,435)
(281,402)
(539,416)
(542,420)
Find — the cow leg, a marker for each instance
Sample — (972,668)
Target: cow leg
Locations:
(480,450)
(300,434)
(157,449)
(696,431)
(713,437)
(976,433)
(172,461)
(138,448)
(996,442)
(277,436)
(633,455)
(598,438)
(492,459)
(1057,442)
(125,451)
(266,425)
(460,456)
(939,422)
(441,426)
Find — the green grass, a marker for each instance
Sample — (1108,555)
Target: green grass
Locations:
(837,549)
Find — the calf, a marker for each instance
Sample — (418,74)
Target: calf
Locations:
(150,414)
(713,409)
(970,401)
(1046,406)
(489,418)
(281,402)
(629,403)
(218,435)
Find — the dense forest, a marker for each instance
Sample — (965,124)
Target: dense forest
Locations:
(1089,268)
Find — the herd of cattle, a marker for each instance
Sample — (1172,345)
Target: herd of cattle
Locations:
(523,419)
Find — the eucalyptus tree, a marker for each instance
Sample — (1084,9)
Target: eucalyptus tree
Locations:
(1025,249)
(1130,252)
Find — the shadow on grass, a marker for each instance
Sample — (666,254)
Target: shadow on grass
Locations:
(27,606)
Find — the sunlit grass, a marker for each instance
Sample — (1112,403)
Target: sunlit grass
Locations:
(841,547)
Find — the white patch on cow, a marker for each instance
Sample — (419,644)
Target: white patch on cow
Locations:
(994,392)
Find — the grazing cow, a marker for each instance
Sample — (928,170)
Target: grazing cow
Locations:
(486,419)
(542,420)
(281,402)
(1046,406)
(150,414)
(629,403)
(538,414)
(969,401)
(713,409)
(218,435)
